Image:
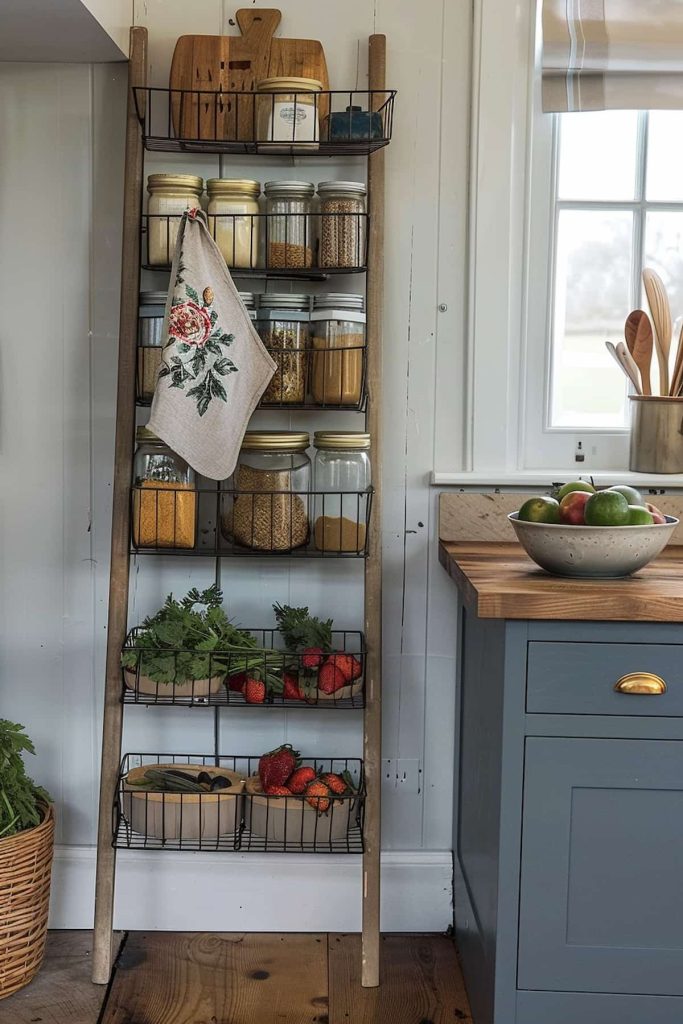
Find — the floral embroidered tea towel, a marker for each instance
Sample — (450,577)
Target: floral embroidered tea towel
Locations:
(214,366)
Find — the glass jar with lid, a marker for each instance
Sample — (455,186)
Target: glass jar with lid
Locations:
(289,226)
(266,506)
(343,236)
(288,113)
(150,343)
(338,343)
(342,491)
(283,324)
(169,196)
(233,219)
(164,496)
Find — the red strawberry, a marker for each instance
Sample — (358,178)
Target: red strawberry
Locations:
(278,791)
(299,779)
(237,682)
(291,690)
(349,666)
(254,691)
(277,765)
(335,783)
(331,678)
(312,657)
(318,796)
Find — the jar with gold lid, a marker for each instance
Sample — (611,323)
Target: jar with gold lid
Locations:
(169,196)
(342,486)
(266,504)
(233,219)
(164,495)
(288,113)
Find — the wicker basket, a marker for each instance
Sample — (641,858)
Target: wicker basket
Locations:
(25,867)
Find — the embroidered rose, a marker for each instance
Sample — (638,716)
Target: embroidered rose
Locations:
(190,323)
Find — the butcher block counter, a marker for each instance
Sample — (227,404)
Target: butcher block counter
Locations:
(568,832)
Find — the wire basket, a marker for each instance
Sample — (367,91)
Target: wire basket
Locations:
(243,819)
(223,682)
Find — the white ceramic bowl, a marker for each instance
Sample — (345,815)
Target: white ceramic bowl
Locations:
(593,552)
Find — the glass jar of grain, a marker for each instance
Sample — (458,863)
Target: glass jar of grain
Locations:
(342,482)
(288,113)
(164,496)
(233,219)
(266,506)
(289,226)
(343,241)
(283,326)
(338,342)
(169,196)
(150,342)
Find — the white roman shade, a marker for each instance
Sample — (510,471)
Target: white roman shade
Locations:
(612,55)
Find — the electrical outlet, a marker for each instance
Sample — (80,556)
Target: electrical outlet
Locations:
(402,773)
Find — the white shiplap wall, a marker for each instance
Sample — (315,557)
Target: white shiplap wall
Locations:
(60,134)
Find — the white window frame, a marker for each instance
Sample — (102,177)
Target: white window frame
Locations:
(511,166)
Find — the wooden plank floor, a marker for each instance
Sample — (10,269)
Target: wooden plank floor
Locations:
(197,978)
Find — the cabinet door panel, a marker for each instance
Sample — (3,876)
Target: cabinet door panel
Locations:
(601,906)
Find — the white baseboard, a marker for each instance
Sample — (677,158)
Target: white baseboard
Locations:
(238,892)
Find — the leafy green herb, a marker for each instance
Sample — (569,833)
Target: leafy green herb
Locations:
(301,630)
(19,795)
(194,639)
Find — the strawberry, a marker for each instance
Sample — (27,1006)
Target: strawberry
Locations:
(254,691)
(349,666)
(277,765)
(278,791)
(331,678)
(291,689)
(237,682)
(334,782)
(318,796)
(312,657)
(299,779)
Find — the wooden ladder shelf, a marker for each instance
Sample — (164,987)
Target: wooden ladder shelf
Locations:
(121,528)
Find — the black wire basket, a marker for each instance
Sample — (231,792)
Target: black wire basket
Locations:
(160,676)
(238,817)
(351,122)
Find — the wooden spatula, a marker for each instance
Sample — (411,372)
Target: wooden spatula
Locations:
(638,333)
(677,376)
(630,368)
(661,318)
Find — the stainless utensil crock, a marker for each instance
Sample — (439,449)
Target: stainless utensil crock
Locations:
(656,434)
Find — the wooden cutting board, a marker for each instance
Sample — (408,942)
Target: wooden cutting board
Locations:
(218,64)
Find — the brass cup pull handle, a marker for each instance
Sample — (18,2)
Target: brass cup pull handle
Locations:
(641,682)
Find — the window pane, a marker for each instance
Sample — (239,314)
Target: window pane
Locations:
(598,155)
(665,156)
(591,302)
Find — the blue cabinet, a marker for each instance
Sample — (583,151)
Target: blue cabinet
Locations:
(569,823)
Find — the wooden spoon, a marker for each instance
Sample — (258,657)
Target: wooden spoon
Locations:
(677,377)
(638,331)
(630,368)
(661,318)
(613,351)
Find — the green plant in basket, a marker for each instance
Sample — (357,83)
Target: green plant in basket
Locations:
(193,639)
(20,797)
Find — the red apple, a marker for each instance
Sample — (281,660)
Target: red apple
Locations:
(572,506)
(658,516)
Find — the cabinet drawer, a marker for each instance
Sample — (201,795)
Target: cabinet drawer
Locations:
(579,678)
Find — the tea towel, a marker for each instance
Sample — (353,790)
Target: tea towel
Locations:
(214,367)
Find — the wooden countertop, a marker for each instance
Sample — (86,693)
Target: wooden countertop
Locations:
(499,581)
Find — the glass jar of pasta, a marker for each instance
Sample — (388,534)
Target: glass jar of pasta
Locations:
(164,496)
(289,226)
(283,324)
(169,196)
(233,219)
(266,506)
(338,343)
(342,486)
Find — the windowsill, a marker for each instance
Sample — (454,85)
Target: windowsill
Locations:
(544,478)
